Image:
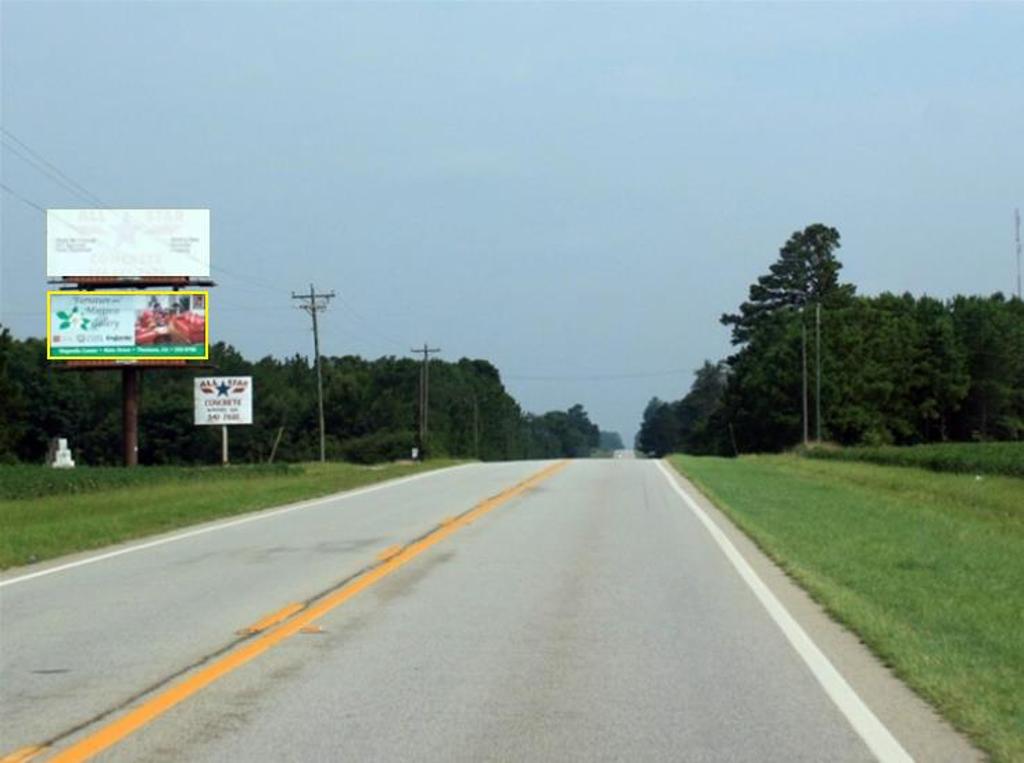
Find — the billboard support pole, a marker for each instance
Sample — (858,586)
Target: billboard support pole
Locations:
(130,414)
(223,445)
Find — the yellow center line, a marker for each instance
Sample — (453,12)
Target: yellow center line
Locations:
(152,708)
(389,552)
(269,620)
(23,755)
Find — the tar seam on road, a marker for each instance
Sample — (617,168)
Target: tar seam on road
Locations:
(223,525)
(23,755)
(270,620)
(244,649)
(876,736)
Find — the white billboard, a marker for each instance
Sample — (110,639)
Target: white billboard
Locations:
(111,243)
(223,400)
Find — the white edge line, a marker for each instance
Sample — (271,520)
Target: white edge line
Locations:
(253,517)
(876,736)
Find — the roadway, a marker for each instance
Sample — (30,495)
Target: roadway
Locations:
(589,610)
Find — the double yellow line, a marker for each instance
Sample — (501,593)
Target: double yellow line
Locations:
(278,627)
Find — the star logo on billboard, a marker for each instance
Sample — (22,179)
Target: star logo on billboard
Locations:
(223,389)
(125,229)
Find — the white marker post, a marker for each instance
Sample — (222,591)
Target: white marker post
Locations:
(223,445)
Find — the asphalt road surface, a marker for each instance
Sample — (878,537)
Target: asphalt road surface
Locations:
(593,613)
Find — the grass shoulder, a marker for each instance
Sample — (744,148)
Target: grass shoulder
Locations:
(926,568)
(66,515)
(1006,458)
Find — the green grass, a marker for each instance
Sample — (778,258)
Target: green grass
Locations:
(1005,458)
(65,521)
(24,481)
(927,568)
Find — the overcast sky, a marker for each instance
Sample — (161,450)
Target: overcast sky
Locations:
(574,192)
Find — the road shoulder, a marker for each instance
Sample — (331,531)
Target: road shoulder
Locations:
(45,567)
(918,727)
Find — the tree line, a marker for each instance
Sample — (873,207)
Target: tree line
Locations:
(895,368)
(370,411)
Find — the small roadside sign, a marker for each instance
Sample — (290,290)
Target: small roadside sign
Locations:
(223,400)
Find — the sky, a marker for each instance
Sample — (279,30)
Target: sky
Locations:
(575,192)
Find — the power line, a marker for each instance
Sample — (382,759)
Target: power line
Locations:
(369,324)
(244,279)
(48,168)
(49,176)
(314,303)
(21,198)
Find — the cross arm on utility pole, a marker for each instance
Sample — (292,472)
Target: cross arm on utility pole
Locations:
(313,301)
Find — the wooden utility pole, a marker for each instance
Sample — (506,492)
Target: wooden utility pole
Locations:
(817,369)
(1016,220)
(314,303)
(476,428)
(424,393)
(130,414)
(277,441)
(803,326)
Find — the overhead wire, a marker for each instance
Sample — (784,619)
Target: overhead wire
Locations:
(21,198)
(369,324)
(46,167)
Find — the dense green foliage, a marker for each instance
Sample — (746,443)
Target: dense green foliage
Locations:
(925,568)
(965,458)
(370,409)
(895,369)
(608,441)
(685,425)
(806,273)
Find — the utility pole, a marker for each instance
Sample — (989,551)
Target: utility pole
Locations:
(803,344)
(476,428)
(817,369)
(314,303)
(424,393)
(1016,219)
(130,383)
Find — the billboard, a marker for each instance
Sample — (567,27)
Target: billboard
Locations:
(127,325)
(223,400)
(115,243)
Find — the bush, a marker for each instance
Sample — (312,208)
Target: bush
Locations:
(375,448)
(1005,458)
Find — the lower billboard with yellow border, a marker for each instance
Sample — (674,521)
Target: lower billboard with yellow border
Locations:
(127,325)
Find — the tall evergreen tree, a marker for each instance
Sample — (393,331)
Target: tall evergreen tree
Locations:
(805,273)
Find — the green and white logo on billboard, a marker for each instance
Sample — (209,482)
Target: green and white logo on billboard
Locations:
(73,320)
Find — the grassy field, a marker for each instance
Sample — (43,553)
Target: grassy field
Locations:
(927,568)
(89,511)
(1005,458)
(37,481)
